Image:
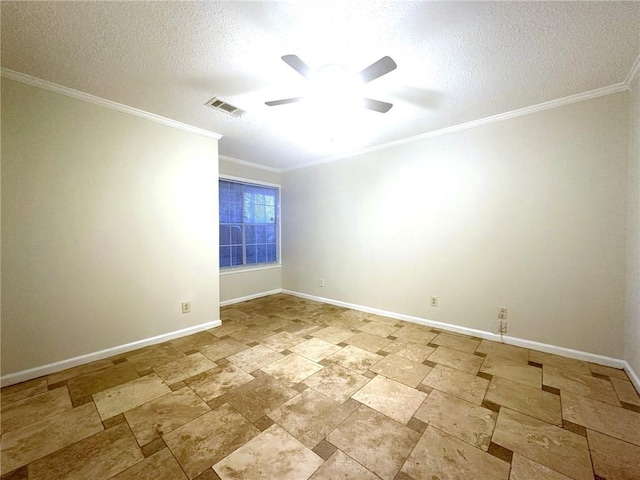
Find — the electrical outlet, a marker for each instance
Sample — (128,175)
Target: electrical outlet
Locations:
(322,282)
(434,301)
(502,313)
(503,326)
(186,307)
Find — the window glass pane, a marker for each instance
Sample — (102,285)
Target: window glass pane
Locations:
(271,253)
(235,212)
(262,253)
(251,254)
(261,235)
(250,231)
(236,235)
(260,214)
(270,200)
(236,255)
(270,214)
(225,256)
(225,235)
(270,233)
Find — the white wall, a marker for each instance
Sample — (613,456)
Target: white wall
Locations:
(527,213)
(632,325)
(108,223)
(238,284)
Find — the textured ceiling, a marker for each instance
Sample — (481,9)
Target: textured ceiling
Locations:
(457,62)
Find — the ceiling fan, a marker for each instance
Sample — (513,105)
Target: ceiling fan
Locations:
(334,80)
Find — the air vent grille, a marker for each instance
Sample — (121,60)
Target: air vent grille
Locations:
(225,107)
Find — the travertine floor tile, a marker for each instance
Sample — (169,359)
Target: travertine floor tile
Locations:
(391,398)
(154,356)
(254,358)
(604,418)
(613,458)
(184,368)
(23,390)
(524,469)
(457,359)
(160,465)
(158,417)
(77,371)
(253,334)
(558,449)
(218,381)
(438,455)
(402,370)
(368,341)
(316,349)
(383,320)
(413,334)
(517,354)
(222,349)
(311,416)
(99,456)
(374,440)
(515,371)
(258,397)
(456,342)
(336,382)
(584,385)
(608,371)
(415,351)
(355,358)
(521,398)
(281,341)
(557,361)
(90,383)
(462,385)
(333,334)
(379,329)
(459,418)
(227,328)
(208,439)
(129,395)
(355,315)
(193,342)
(625,391)
(32,409)
(292,368)
(343,467)
(34,441)
(272,454)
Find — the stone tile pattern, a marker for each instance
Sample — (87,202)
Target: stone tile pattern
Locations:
(293,389)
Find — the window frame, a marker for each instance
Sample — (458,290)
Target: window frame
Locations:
(254,266)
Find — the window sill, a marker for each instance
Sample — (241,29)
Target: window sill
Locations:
(231,271)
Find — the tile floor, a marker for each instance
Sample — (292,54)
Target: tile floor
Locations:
(293,389)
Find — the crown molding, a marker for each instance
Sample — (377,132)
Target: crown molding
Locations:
(245,163)
(580,97)
(86,97)
(634,73)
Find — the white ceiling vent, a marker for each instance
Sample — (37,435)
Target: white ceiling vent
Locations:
(225,107)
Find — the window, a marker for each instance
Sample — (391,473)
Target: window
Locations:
(248,223)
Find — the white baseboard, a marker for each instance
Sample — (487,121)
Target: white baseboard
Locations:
(250,297)
(50,368)
(633,376)
(519,342)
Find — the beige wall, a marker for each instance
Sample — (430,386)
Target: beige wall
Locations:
(632,325)
(527,213)
(238,284)
(108,222)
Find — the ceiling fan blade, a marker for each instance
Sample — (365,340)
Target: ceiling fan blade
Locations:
(297,64)
(377,69)
(284,101)
(376,105)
